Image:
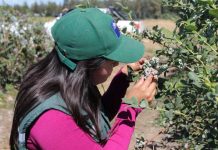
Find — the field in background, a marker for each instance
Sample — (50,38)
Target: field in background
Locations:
(40,19)
(150,47)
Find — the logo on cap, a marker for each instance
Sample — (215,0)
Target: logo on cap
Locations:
(115,29)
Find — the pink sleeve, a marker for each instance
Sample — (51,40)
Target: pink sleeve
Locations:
(58,131)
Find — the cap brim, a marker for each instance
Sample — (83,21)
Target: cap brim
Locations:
(128,51)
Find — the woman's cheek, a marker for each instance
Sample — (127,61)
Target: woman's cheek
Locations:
(100,76)
(105,74)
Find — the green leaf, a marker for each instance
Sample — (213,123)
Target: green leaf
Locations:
(129,69)
(196,80)
(130,73)
(169,114)
(144,104)
(209,96)
(214,12)
(216,89)
(169,105)
(199,56)
(179,103)
(190,26)
(133,102)
(192,76)
(205,2)
(216,21)
(204,39)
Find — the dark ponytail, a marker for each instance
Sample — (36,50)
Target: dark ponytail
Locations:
(50,76)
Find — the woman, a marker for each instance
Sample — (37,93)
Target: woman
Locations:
(59,106)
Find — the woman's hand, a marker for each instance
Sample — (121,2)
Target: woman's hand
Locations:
(135,66)
(143,89)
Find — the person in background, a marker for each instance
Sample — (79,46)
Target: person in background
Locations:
(59,107)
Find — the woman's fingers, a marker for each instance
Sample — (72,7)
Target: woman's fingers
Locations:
(154,93)
(149,84)
(144,83)
(148,81)
(140,82)
(143,89)
(141,61)
(137,65)
(151,97)
(150,90)
(152,86)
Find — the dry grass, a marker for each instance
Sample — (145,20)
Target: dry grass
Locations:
(167,24)
(150,47)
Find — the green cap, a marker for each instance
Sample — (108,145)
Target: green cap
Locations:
(89,33)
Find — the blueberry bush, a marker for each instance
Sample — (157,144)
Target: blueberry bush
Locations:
(23,42)
(190,96)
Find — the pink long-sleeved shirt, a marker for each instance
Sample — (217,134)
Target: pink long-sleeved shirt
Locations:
(54,130)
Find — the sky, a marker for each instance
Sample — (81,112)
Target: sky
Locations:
(29,2)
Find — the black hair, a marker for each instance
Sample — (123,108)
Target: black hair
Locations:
(49,76)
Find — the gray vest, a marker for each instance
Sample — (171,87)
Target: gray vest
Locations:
(56,102)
